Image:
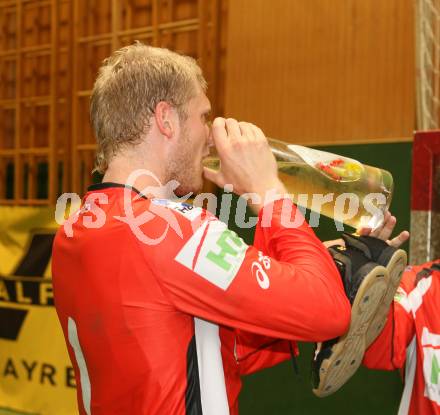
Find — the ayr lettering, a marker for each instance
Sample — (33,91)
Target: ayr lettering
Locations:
(40,372)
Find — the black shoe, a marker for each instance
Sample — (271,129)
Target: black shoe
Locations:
(365,284)
(394,260)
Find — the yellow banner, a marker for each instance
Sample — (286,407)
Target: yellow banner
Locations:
(36,376)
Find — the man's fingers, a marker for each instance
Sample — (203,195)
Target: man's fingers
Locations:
(377,231)
(399,239)
(364,231)
(233,129)
(247,130)
(259,134)
(219,134)
(387,228)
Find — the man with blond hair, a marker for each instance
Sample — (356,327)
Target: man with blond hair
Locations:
(152,293)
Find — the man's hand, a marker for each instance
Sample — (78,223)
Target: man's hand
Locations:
(385,230)
(247,162)
(382,232)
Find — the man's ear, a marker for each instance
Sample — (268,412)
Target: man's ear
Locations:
(164,118)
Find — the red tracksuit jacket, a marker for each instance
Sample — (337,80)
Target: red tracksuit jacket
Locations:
(411,339)
(149,311)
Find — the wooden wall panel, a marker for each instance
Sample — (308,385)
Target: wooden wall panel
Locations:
(322,71)
(50,52)
(34,67)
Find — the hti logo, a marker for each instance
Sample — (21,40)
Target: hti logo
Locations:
(26,285)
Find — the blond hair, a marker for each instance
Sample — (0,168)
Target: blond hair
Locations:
(130,83)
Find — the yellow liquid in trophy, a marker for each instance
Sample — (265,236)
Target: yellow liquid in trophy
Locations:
(334,186)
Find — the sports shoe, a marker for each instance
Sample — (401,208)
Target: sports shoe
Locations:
(394,260)
(365,284)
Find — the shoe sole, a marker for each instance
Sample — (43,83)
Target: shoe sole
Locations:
(348,352)
(395,267)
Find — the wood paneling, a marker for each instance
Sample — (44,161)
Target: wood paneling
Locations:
(33,94)
(322,71)
(50,52)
